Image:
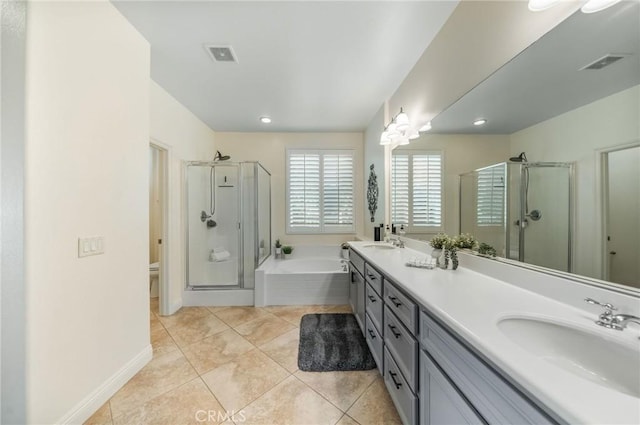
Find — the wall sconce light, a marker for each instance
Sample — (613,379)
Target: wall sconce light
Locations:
(398,131)
(590,6)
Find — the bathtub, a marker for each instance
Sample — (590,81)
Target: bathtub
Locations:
(311,275)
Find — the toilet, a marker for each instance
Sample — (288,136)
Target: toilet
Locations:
(154,274)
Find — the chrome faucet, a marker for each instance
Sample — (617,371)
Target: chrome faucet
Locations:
(398,242)
(622,320)
(610,320)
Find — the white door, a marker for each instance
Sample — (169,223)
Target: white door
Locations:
(623,212)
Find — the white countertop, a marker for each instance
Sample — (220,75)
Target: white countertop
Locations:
(471,304)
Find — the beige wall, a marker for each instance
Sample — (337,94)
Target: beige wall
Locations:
(374,154)
(270,150)
(462,153)
(86,155)
(187,139)
(576,136)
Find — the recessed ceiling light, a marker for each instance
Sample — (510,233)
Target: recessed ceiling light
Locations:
(480,121)
(265,120)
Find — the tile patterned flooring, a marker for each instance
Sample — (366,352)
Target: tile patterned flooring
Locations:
(239,365)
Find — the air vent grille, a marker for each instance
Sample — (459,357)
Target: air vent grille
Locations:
(221,53)
(603,61)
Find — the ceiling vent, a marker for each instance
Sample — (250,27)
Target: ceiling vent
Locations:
(604,61)
(221,53)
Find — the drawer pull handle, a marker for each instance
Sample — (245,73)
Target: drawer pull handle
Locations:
(393,331)
(395,301)
(393,378)
(372,298)
(372,277)
(373,335)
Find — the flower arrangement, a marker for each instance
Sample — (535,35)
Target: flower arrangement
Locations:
(278,244)
(439,241)
(287,249)
(486,250)
(465,241)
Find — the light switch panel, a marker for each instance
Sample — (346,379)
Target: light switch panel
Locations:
(90,246)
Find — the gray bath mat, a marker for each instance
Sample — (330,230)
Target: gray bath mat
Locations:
(330,342)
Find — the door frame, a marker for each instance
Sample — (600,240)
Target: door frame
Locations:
(602,201)
(164,298)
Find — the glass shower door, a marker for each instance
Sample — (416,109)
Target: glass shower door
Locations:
(546,214)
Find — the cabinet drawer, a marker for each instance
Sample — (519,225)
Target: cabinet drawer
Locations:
(401,305)
(405,401)
(374,341)
(493,397)
(440,402)
(356,261)
(403,346)
(374,308)
(374,278)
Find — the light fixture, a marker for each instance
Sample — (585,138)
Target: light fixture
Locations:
(425,127)
(480,121)
(590,6)
(398,131)
(593,6)
(265,120)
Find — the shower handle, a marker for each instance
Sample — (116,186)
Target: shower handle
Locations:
(535,215)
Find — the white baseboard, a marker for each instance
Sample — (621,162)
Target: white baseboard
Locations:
(218,297)
(87,407)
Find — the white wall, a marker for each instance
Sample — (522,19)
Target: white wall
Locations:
(576,137)
(462,153)
(270,150)
(86,154)
(186,138)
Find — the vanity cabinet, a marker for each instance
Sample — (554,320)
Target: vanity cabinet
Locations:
(433,375)
(357,288)
(479,385)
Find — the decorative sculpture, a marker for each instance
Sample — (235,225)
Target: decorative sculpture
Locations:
(372,193)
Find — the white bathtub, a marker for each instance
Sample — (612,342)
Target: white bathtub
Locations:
(311,275)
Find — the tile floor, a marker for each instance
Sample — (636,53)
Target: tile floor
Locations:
(238,365)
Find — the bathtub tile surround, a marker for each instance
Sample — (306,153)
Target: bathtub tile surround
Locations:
(225,372)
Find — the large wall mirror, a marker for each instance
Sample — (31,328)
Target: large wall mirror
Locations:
(571,102)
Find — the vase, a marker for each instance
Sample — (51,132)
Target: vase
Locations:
(436,253)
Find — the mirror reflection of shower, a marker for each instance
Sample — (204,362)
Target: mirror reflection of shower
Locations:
(500,216)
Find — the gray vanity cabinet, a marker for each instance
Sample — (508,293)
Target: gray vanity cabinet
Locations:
(440,402)
(357,288)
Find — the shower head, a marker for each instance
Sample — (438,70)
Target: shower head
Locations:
(520,158)
(220,157)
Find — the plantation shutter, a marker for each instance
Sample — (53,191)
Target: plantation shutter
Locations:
(400,190)
(304,190)
(416,190)
(490,208)
(338,190)
(320,196)
(427,190)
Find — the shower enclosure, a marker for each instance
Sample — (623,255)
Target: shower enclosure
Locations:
(523,210)
(228,209)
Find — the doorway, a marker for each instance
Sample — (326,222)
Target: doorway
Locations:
(158,224)
(621,186)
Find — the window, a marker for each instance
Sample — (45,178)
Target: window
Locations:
(416,190)
(320,191)
(490,209)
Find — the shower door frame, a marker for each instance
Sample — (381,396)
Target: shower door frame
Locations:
(240,270)
(523,200)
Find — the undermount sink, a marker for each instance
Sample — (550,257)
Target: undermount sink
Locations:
(379,246)
(596,358)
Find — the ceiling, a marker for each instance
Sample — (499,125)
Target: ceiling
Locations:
(545,79)
(309,65)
